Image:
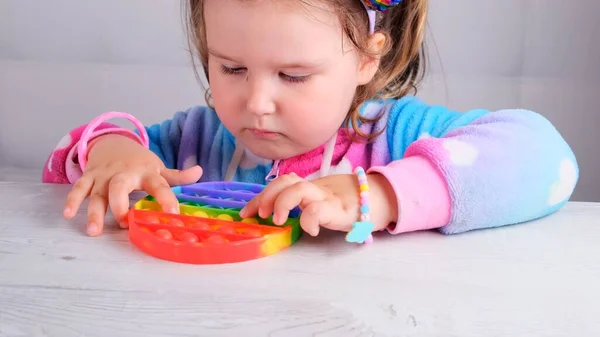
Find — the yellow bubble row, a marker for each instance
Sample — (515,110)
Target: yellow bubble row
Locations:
(226,217)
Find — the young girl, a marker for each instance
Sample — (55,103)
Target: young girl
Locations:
(301,94)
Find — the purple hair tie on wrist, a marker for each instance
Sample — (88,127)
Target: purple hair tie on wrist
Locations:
(373,6)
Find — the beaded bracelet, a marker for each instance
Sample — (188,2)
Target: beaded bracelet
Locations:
(361,230)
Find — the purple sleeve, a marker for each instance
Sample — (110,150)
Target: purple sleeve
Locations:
(479,169)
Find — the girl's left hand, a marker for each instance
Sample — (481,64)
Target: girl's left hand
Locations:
(332,202)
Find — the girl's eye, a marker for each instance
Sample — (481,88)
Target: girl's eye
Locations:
(231,71)
(294,79)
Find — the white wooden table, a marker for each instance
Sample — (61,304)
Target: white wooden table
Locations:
(535,279)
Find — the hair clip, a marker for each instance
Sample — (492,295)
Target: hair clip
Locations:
(373,6)
(381,5)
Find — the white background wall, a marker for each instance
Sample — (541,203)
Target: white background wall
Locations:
(62,62)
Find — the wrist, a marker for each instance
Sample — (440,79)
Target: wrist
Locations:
(421,193)
(383,201)
(108,143)
(94,130)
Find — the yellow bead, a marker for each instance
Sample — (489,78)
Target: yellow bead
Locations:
(250,221)
(364,187)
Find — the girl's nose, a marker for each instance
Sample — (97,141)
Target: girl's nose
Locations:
(260,97)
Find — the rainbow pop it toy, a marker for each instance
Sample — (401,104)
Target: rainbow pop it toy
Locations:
(208,229)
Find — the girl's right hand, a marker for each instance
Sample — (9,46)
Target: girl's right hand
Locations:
(117,166)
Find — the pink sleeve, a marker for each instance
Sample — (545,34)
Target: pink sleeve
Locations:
(62,166)
(421,192)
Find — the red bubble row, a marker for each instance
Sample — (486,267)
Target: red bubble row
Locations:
(199,230)
(205,225)
(187,237)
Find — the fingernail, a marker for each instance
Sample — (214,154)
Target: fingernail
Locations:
(262,214)
(67,211)
(243,212)
(92,228)
(123,224)
(173,210)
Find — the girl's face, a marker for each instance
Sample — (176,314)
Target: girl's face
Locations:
(281,79)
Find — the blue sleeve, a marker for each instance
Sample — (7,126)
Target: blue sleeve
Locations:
(501,167)
(192,137)
(410,119)
(197,137)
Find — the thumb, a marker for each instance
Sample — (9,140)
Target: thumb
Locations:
(182,177)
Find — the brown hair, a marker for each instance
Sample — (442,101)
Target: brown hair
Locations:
(402,62)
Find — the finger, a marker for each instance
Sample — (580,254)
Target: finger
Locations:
(263,202)
(298,194)
(319,214)
(96,213)
(118,196)
(81,189)
(182,177)
(159,188)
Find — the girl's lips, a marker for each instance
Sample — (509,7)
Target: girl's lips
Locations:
(264,134)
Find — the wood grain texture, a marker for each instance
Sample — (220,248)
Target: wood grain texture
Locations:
(536,279)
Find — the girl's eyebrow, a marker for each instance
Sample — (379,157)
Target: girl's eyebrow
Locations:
(303,65)
(221,56)
(288,65)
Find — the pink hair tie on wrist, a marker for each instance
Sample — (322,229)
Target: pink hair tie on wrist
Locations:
(362,230)
(88,132)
